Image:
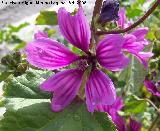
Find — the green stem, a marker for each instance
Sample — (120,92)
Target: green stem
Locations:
(154,123)
(150,102)
(96,11)
(158,114)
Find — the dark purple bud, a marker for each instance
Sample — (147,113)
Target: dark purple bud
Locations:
(109,11)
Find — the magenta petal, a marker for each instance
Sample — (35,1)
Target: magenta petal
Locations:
(143,57)
(151,87)
(109,53)
(134,125)
(75,28)
(140,33)
(118,120)
(120,123)
(40,35)
(60,79)
(145,42)
(116,106)
(122,18)
(99,90)
(64,86)
(48,54)
(107,109)
(111,109)
(130,44)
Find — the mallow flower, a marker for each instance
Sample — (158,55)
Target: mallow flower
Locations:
(113,109)
(133,125)
(135,41)
(151,87)
(119,121)
(46,53)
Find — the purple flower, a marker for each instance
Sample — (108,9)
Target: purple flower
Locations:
(40,35)
(50,54)
(135,42)
(109,11)
(113,109)
(151,87)
(134,125)
(122,18)
(122,125)
(119,121)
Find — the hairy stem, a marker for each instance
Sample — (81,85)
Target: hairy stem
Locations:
(97,9)
(150,102)
(144,17)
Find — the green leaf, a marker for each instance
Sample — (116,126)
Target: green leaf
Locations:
(1,36)
(134,76)
(28,109)
(50,32)
(131,13)
(135,106)
(47,18)
(157,34)
(4,76)
(20,46)
(35,114)
(141,1)
(27,85)
(17,28)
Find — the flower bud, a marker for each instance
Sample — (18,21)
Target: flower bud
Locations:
(109,11)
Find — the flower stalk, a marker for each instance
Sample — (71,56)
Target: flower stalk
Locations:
(97,8)
(158,114)
(151,103)
(154,123)
(138,22)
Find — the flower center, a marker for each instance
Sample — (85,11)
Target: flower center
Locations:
(86,61)
(83,64)
(92,60)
